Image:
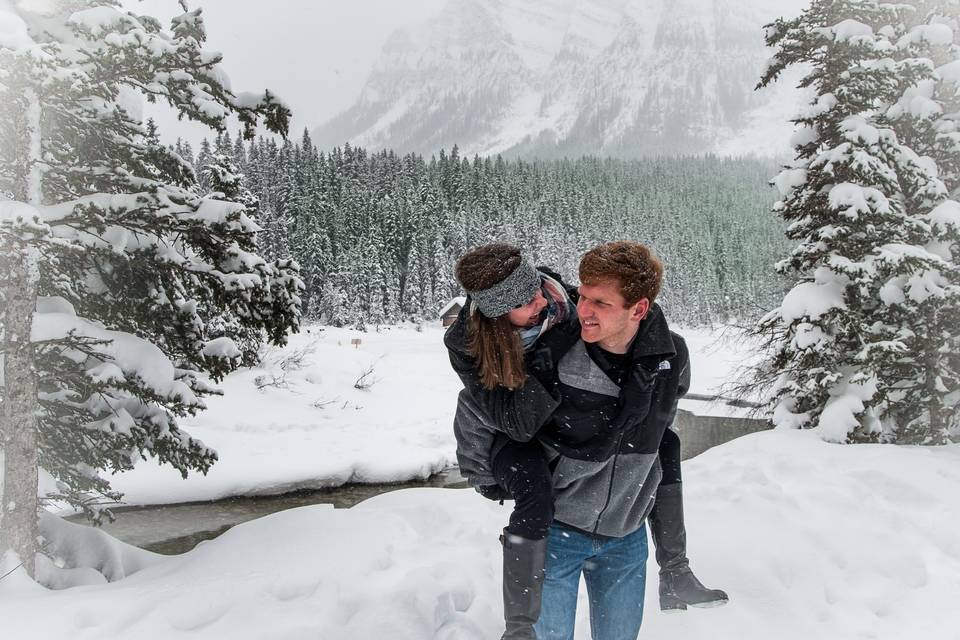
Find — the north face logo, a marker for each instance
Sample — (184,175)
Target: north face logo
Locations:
(664,366)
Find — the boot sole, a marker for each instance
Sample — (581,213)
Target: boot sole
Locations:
(676,607)
(710,605)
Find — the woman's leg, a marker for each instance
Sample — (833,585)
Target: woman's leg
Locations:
(521,469)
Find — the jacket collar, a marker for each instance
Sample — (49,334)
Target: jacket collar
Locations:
(653,336)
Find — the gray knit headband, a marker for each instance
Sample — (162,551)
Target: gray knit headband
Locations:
(513,291)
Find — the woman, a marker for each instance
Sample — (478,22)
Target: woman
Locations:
(517,324)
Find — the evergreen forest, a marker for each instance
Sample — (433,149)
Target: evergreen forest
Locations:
(376,234)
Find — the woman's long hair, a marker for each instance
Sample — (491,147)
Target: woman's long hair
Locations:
(493,342)
(496,346)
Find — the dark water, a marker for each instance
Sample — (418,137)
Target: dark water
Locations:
(177,528)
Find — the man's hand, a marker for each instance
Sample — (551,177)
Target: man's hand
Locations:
(540,365)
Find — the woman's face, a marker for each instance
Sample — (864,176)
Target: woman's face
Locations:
(528,314)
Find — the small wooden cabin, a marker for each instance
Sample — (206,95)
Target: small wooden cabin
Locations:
(450,311)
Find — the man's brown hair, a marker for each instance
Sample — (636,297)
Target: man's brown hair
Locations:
(630,264)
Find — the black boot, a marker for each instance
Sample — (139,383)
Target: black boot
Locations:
(679,588)
(523,562)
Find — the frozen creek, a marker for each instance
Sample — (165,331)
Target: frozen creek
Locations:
(177,528)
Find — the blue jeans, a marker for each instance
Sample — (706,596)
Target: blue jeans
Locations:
(615,571)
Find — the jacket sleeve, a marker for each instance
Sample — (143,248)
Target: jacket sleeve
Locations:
(518,413)
(475,439)
(669,450)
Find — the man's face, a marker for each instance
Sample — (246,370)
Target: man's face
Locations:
(606,319)
(527,315)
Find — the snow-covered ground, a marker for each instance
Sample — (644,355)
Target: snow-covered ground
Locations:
(812,540)
(310,428)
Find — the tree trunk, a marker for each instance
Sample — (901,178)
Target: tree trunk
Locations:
(18,528)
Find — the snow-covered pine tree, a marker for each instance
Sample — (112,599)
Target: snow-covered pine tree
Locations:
(414,290)
(126,262)
(239,155)
(926,118)
(223,145)
(861,340)
(204,156)
(184,150)
(305,211)
(227,185)
(334,308)
(311,248)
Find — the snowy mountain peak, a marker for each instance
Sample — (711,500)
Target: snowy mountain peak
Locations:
(625,78)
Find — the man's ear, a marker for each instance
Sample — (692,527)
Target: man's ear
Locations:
(640,309)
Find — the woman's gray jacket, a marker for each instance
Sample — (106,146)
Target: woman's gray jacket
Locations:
(519,414)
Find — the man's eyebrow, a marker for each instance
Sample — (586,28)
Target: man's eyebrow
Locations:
(598,300)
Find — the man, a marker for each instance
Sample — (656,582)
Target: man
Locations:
(610,448)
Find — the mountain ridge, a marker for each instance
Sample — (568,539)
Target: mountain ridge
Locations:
(621,78)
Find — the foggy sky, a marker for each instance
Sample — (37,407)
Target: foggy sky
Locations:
(314,54)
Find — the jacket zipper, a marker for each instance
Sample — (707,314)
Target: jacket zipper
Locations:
(613,473)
